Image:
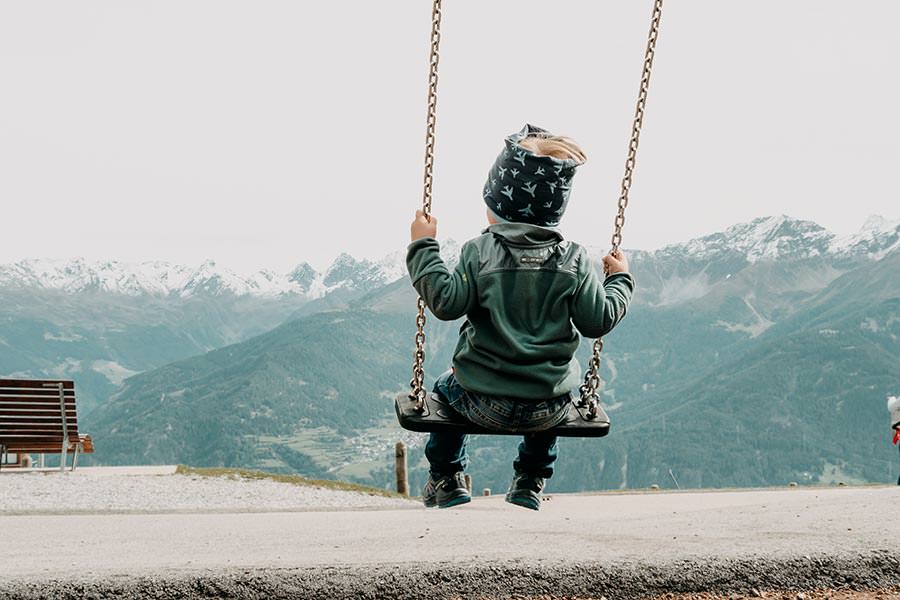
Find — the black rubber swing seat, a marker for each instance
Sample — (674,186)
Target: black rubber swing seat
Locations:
(439,417)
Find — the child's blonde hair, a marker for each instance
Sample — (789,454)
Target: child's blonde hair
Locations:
(556,146)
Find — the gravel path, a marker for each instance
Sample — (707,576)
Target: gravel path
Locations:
(632,546)
(102,490)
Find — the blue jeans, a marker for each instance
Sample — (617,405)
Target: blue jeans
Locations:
(446,452)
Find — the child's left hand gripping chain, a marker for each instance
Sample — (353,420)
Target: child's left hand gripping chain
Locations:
(423,227)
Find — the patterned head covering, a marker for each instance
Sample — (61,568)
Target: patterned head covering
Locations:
(523,187)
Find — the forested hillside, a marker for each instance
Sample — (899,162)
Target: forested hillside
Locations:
(735,367)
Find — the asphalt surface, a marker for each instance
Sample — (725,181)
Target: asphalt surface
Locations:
(613,545)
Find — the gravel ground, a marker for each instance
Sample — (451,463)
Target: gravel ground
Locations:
(689,579)
(829,594)
(100,491)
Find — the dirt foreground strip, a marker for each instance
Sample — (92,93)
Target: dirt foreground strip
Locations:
(878,570)
(889,594)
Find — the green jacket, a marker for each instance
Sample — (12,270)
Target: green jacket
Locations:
(526,294)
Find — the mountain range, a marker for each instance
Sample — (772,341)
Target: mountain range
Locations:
(754,356)
(761,239)
(163,279)
(101,322)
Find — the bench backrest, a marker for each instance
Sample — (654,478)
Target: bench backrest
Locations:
(32,412)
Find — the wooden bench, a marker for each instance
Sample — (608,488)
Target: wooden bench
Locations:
(37,417)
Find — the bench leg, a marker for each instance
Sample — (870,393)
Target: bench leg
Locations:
(2,455)
(75,456)
(41,460)
(62,455)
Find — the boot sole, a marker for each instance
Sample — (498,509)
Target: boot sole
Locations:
(525,501)
(461,499)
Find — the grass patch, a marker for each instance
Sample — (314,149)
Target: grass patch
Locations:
(291,479)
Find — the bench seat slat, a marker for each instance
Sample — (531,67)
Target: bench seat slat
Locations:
(35,434)
(32,440)
(68,384)
(19,430)
(39,391)
(19,417)
(38,445)
(39,411)
(36,402)
(13,428)
(36,395)
(32,410)
(4,406)
(37,438)
(42,421)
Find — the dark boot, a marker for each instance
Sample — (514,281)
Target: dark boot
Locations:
(446,491)
(525,491)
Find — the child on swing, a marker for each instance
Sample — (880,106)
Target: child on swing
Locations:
(526,294)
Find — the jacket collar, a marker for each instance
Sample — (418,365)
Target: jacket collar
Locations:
(525,234)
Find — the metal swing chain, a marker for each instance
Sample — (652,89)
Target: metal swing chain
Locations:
(589,395)
(418,379)
(591,384)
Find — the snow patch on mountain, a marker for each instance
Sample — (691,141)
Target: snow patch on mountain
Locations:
(113,371)
(758,327)
(675,289)
(51,337)
(65,369)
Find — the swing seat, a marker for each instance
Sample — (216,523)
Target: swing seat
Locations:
(439,417)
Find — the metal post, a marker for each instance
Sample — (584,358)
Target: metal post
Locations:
(41,460)
(672,475)
(65,427)
(400,466)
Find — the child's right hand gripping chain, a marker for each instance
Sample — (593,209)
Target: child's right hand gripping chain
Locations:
(423,226)
(615,262)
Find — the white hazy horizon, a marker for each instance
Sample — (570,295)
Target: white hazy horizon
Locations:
(878,222)
(263,135)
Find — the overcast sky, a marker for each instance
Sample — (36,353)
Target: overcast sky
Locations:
(263,134)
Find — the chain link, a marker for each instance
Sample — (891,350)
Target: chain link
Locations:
(589,395)
(636,125)
(431,121)
(418,379)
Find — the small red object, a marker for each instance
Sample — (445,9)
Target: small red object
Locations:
(897,436)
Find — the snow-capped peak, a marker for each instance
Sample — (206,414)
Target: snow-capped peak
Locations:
(765,238)
(783,237)
(878,237)
(879,223)
(303,275)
